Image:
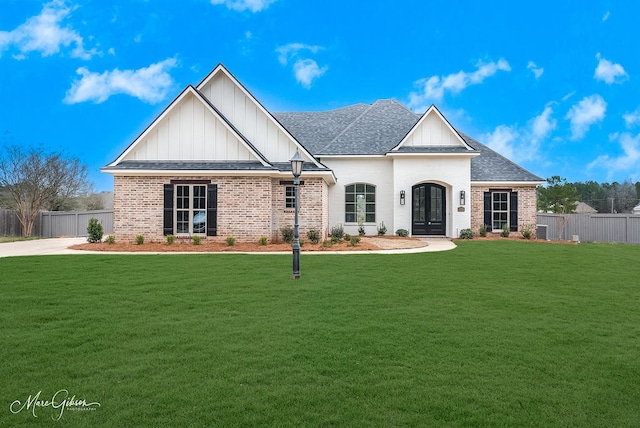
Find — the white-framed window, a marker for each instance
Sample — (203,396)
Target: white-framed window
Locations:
(499,210)
(190,209)
(360,203)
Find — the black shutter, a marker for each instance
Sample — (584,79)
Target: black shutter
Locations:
(212,210)
(513,211)
(487,211)
(167,228)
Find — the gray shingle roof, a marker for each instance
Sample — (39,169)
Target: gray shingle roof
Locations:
(375,129)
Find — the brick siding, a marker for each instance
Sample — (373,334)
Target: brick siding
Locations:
(527,211)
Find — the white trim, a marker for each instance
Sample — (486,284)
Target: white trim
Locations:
(418,154)
(328,176)
(433,109)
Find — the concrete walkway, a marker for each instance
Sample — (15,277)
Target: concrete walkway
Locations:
(49,246)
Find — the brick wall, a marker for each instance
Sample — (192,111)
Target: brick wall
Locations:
(248,207)
(527,212)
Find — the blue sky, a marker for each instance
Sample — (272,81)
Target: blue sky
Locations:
(553,85)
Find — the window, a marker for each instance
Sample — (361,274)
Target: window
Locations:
(290,197)
(190,208)
(360,203)
(500,215)
(500,209)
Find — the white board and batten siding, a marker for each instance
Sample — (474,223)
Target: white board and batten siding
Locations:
(190,131)
(432,131)
(250,118)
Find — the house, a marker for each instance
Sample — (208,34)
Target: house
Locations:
(584,208)
(215,162)
(636,210)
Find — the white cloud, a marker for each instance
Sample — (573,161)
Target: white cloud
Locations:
(45,34)
(629,159)
(606,16)
(632,119)
(149,84)
(609,72)
(433,88)
(292,50)
(307,70)
(242,5)
(588,111)
(537,71)
(522,143)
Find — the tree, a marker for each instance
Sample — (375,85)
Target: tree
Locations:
(558,196)
(36,180)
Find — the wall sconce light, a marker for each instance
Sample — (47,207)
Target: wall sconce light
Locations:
(462,197)
(402,199)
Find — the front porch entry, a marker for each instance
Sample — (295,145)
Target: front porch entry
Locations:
(429,206)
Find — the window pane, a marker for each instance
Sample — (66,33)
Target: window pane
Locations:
(370,218)
(199,221)
(350,218)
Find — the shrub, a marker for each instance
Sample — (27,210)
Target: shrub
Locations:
(314,236)
(355,240)
(382,229)
(110,239)
(139,239)
(466,234)
(334,240)
(483,230)
(527,231)
(263,240)
(196,239)
(287,234)
(171,239)
(231,241)
(327,243)
(95,230)
(337,232)
(505,231)
(361,229)
(402,232)
(347,237)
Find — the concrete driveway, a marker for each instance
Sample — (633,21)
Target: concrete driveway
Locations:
(39,247)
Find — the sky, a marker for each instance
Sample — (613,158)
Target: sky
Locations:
(552,85)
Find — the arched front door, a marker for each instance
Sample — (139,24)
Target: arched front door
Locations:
(429,208)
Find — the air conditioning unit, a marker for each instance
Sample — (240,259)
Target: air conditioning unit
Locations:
(541,231)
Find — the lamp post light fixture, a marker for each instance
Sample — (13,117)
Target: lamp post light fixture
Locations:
(296,170)
(462,197)
(402,197)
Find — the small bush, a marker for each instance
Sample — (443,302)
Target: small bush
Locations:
(334,240)
(287,234)
(263,240)
(527,231)
(314,236)
(139,239)
(402,232)
(466,234)
(347,237)
(483,230)
(337,232)
(231,241)
(355,240)
(196,239)
(171,239)
(361,230)
(327,243)
(110,239)
(505,231)
(382,229)
(95,230)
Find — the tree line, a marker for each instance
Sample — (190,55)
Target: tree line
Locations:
(560,196)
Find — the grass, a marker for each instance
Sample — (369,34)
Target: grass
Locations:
(496,333)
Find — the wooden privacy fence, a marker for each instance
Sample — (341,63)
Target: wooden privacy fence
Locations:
(624,228)
(56,223)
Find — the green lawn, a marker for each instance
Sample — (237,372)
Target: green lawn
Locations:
(497,333)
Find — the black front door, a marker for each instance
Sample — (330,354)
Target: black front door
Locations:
(429,208)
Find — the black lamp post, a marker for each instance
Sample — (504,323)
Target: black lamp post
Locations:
(296,169)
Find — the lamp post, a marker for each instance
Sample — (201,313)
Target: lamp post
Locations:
(296,170)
